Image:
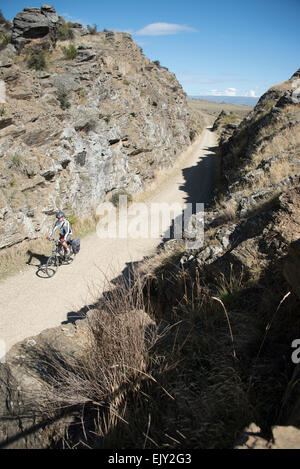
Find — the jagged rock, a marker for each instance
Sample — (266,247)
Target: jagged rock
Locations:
(110,35)
(85,53)
(20,385)
(5,122)
(6,55)
(42,74)
(10,75)
(66,82)
(79,31)
(224,235)
(34,23)
(247,255)
(283,438)
(209,254)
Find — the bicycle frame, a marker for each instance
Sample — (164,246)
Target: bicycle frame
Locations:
(56,259)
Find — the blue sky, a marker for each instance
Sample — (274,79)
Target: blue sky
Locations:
(232,47)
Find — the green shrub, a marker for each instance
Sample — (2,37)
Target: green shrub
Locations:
(4,40)
(72,219)
(115,197)
(82,94)
(62,97)
(70,52)
(37,61)
(65,31)
(16,160)
(92,30)
(2,110)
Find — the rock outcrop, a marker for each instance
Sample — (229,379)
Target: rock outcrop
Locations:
(264,149)
(40,23)
(282,438)
(260,184)
(225,124)
(34,23)
(82,127)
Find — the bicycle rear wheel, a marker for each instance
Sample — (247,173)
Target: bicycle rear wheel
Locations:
(52,265)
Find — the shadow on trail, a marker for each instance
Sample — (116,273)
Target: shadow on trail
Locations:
(42,259)
(199,184)
(200,180)
(74,316)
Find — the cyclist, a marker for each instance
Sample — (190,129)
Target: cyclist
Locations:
(65,232)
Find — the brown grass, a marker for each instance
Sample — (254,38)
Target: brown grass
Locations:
(113,359)
(14,258)
(214,108)
(194,379)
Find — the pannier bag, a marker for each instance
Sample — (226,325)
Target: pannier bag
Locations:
(76,245)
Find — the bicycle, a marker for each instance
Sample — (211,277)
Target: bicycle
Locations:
(57,258)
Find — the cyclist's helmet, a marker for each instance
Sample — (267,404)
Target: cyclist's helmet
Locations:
(60,215)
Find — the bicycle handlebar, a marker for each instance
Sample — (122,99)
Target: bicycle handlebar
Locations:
(54,241)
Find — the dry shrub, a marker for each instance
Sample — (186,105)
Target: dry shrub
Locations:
(208,364)
(96,377)
(83,226)
(280,171)
(200,401)
(15,258)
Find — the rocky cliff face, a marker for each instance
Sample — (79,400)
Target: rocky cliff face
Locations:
(82,127)
(264,149)
(260,170)
(253,233)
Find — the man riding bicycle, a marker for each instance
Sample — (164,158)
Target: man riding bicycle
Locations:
(65,232)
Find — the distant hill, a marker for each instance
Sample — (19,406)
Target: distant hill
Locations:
(213,108)
(244,100)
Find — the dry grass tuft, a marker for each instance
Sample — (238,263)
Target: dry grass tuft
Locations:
(113,359)
(15,258)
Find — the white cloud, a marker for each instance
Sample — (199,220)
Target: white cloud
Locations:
(228,92)
(162,29)
(251,93)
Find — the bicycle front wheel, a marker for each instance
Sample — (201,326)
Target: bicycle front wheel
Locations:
(52,266)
